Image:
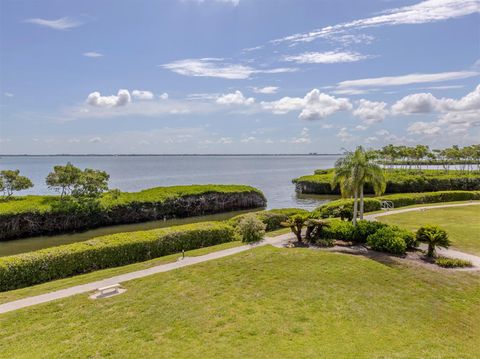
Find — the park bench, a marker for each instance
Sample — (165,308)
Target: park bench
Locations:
(387,205)
(109,290)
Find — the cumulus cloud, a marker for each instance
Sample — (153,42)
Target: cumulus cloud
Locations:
(371,112)
(96,140)
(423,12)
(266,90)
(416,103)
(62,23)
(92,54)
(426,103)
(328,57)
(142,95)
(304,137)
(164,96)
(235,98)
(248,139)
(216,67)
(344,135)
(423,128)
(97,100)
(315,105)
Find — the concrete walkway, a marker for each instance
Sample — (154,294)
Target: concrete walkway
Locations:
(88,287)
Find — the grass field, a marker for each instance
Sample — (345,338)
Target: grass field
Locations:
(264,303)
(461,223)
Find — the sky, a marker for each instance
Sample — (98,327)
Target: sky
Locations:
(237,76)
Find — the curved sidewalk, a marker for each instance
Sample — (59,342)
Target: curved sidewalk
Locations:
(371,217)
(88,287)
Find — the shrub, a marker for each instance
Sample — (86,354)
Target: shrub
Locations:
(365,228)
(337,229)
(296,224)
(387,240)
(434,236)
(251,229)
(452,262)
(108,251)
(272,218)
(343,208)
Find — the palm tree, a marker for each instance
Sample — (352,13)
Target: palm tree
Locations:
(434,236)
(352,172)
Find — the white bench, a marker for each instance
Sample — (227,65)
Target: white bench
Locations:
(110,289)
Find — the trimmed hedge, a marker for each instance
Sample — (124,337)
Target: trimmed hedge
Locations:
(398,181)
(40,215)
(387,240)
(272,218)
(344,207)
(108,251)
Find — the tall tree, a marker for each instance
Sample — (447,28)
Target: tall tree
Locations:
(11,181)
(353,172)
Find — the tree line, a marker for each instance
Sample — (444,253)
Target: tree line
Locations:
(416,157)
(76,186)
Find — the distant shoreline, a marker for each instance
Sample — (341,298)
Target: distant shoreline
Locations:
(177,155)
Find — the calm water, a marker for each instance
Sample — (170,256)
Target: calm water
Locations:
(271,174)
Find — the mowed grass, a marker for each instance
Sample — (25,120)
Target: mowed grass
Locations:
(106,273)
(264,303)
(461,223)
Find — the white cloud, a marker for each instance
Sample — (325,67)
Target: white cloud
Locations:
(416,103)
(97,100)
(62,23)
(164,96)
(266,90)
(92,54)
(304,137)
(328,57)
(315,105)
(423,128)
(215,67)
(344,135)
(235,98)
(426,103)
(142,95)
(8,94)
(248,139)
(407,79)
(423,12)
(96,140)
(371,112)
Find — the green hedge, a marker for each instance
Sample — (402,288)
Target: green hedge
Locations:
(107,251)
(345,206)
(271,218)
(398,181)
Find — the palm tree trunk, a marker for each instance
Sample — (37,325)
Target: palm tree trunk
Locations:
(361,202)
(355,207)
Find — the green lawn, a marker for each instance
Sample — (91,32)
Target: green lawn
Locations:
(264,303)
(461,223)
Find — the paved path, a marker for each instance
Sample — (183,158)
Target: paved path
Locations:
(373,216)
(440,251)
(88,287)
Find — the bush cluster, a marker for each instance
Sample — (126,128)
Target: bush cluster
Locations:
(343,208)
(251,228)
(271,218)
(452,262)
(108,251)
(387,240)
(379,236)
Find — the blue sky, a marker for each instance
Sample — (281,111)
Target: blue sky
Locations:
(237,76)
